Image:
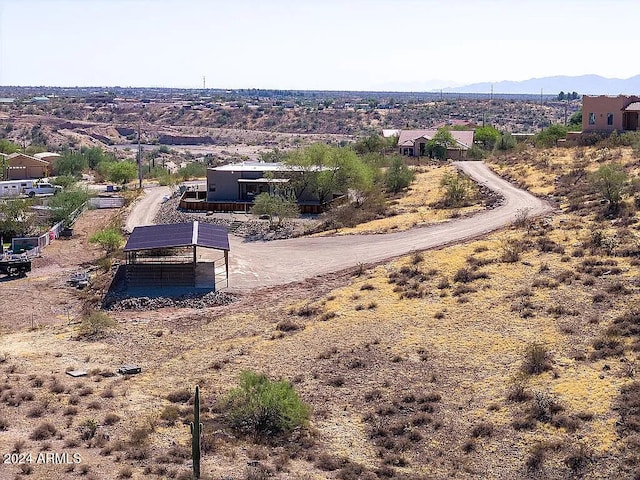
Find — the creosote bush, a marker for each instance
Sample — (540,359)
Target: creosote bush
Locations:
(96,323)
(536,359)
(264,407)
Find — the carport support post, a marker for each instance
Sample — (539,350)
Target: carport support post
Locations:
(226,265)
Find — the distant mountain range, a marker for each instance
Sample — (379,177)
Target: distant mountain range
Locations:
(583,84)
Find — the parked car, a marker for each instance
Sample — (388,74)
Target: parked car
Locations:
(43,189)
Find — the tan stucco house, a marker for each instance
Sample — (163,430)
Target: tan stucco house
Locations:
(606,113)
(413,143)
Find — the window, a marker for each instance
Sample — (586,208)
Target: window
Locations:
(592,119)
(609,119)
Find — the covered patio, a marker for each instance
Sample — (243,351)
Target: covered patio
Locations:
(164,258)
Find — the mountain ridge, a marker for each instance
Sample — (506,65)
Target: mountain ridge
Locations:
(590,84)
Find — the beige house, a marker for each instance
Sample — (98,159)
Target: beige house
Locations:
(605,113)
(414,143)
(20,166)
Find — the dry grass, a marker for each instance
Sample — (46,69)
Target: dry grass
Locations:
(420,386)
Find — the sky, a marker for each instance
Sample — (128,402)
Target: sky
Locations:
(398,45)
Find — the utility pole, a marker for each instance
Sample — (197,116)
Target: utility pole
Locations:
(139,159)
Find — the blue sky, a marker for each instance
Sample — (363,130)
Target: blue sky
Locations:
(327,44)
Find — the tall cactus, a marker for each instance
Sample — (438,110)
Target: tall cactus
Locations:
(196,434)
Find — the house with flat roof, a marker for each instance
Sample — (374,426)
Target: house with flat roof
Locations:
(242,182)
(605,114)
(414,143)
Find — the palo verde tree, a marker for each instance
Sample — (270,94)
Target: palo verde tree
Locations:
(280,206)
(110,239)
(398,176)
(505,143)
(486,136)
(458,189)
(612,182)
(326,170)
(122,172)
(440,143)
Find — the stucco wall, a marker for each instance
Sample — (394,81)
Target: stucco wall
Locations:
(597,109)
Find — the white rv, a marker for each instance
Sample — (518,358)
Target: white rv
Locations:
(14,188)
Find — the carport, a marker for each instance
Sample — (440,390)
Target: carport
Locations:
(166,257)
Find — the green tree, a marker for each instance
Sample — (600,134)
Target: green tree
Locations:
(458,189)
(549,136)
(506,142)
(440,143)
(14,218)
(398,176)
(70,163)
(109,239)
(326,170)
(612,182)
(8,147)
(122,172)
(561,96)
(575,121)
(93,156)
(275,206)
(370,144)
(487,136)
(264,407)
(193,170)
(66,202)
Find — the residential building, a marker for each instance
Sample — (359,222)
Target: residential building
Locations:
(22,166)
(606,114)
(242,182)
(414,143)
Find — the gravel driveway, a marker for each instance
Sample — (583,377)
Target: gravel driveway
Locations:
(261,264)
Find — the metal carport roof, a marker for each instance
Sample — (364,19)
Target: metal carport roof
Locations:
(178,235)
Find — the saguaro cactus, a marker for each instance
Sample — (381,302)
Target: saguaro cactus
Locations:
(196,434)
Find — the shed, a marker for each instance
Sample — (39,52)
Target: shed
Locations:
(166,257)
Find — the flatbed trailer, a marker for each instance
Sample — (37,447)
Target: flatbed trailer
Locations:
(15,265)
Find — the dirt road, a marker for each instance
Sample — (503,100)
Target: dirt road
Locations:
(261,264)
(146,208)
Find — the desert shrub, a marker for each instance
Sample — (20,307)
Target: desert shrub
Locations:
(111,419)
(96,323)
(264,407)
(179,396)
(170,414)
(536,359)
(511,251)
(483,429)
(88,429)
(43,431)
(628,404)
(287,325)
(578,459)
(125,472)
(4,424)
(544,406)
(306,311)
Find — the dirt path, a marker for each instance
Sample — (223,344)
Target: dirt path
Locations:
(262,264)
(147,207)
(274,263)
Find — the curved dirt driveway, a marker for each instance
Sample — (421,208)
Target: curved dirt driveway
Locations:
(262,264)
(146,207)
(259,264)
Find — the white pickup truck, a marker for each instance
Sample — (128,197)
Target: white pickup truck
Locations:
(42,189)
